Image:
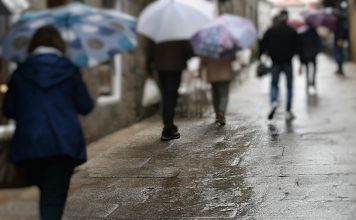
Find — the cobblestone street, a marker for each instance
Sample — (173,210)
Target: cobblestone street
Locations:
(249,169)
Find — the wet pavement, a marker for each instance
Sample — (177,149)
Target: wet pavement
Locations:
(249,169)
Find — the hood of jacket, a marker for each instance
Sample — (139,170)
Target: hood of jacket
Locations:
(46,70)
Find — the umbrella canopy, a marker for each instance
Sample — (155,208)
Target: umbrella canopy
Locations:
(321,18)
(225,35)
(92,35)
(169,20)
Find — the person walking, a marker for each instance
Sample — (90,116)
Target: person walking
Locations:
(45,94)
(280,42)
(219,73)
(340,36)
(168,59)
(310,47)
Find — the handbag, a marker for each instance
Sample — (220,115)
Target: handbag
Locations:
(151,93)
(262,69)
(11,176)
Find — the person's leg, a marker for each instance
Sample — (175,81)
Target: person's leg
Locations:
(289,75)
(35,170)
(315,69)
(339,57)
(162,79)
(215,95)
(307,74)
(223,96)
(274,83)
(55,187)
(342,59)
(170,84)
(274,89)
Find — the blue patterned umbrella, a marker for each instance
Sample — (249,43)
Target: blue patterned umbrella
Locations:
(92,35)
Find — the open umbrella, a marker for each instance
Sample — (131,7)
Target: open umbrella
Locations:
(169,20)
(92,35)
(296,24)
(225,35)
(321,18)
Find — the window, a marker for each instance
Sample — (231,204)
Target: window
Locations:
(109,77)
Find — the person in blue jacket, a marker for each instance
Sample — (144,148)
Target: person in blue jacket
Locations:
(45,94)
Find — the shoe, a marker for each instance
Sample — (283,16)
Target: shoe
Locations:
(311,90)
(220,118)
(290,116)
(272,111)
(340,72)
(167,136)
(175,128)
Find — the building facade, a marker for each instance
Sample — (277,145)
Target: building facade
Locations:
(352,27)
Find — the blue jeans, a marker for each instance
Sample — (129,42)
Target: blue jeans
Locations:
(276,71)
(339,57)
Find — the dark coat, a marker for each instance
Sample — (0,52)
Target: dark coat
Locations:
(45,94)
(167,56)
(341,32)
(280,42)
(310,45)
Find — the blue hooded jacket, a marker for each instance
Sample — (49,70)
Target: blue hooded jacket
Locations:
(45,94)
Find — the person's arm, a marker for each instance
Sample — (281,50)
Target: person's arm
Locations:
(149,58)
(263,43)
(83,102)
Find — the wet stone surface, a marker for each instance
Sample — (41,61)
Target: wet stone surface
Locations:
(250,169)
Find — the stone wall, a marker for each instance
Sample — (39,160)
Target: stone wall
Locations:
(110,117)
(352,26)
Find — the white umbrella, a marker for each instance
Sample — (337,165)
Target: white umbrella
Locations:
(169,20)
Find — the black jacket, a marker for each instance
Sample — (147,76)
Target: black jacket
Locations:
(280,42)
(310,45)
(167,56)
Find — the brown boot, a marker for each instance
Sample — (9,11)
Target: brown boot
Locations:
(220,118)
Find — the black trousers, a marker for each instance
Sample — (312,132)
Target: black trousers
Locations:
(170,81)
(52,176)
